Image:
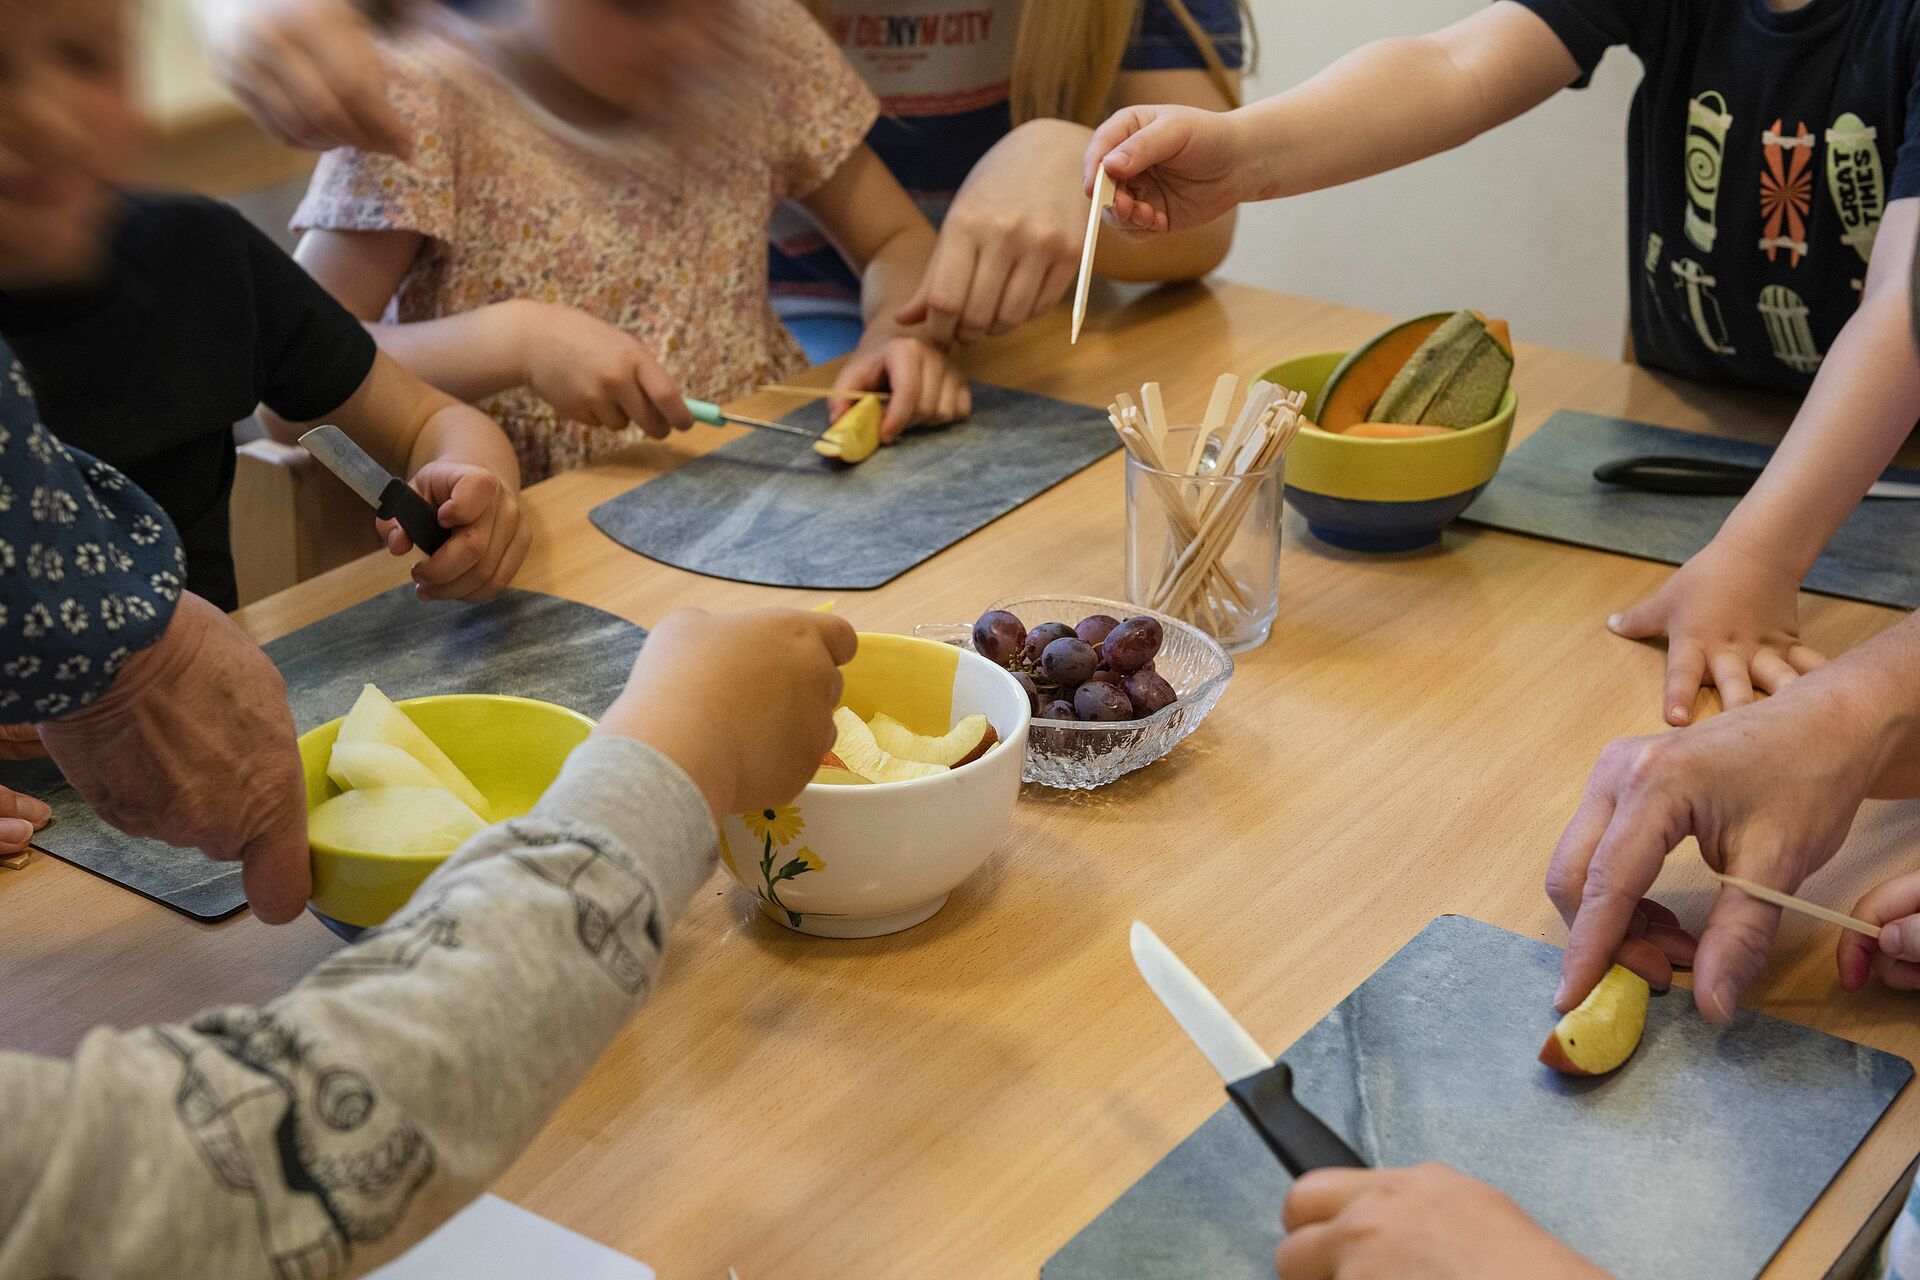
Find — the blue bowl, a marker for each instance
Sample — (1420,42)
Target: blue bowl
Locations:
(339,928)
(1378,526)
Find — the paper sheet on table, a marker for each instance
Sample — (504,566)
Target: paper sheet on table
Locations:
(492,1239)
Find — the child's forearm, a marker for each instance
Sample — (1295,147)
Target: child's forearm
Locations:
(893,274)
(469,356)
(461,433)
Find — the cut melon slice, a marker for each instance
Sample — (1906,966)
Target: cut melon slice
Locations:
(368,766)
(866,757)
(1394,431)
(374,718)
(966,742)
(856,434)
(1456,379)
(395,821)
(1356,384)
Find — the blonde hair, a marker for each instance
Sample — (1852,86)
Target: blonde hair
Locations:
(1070,51)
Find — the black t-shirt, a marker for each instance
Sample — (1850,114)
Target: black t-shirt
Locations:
(1762,151)
(198,319)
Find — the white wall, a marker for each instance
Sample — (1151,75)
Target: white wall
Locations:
(1528,222)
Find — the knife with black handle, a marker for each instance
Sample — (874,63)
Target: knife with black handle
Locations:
(390,497)
(1708,477)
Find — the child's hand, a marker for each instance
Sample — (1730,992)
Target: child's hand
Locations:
(306,70)
(926,385)
(1729,616)
(1895,907)
(743,702)
(592,372)
(1176,167)
(489,542)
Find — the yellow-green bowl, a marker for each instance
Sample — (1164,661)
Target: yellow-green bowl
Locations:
(1384,495)
(511,749)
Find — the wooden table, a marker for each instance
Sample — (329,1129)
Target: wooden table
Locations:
(959,1099)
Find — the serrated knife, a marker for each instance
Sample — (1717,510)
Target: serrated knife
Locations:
(1259,1086)
(390,497)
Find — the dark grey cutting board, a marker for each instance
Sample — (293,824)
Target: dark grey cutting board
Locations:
(767,509)
(1696,1159)
(522,643)
(1546,489)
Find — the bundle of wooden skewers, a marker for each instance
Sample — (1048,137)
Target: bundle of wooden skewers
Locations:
(1193,581)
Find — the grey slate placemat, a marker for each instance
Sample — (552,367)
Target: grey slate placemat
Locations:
(767,509)
(1696,1159)
(522,643)
(1546,489)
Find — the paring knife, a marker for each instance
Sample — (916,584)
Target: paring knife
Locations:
(1259,1086)
(1708,477)
(714,416)
(390,497)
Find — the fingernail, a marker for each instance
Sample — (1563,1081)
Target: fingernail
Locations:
(1614,623)
(1560,993)
(1721,1002)
(1679,715)
(15,831)
(1890,937)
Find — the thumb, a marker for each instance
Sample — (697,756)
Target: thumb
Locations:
(1733,948)
(863,371)
(275,870)
(1119,128)
(1901,938)
(1156,143)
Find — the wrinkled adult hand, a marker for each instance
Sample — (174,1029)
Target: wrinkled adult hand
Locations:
(1426,1223)
(194,745)
(743,702)
(307,71)
(20,816)
(1769,791)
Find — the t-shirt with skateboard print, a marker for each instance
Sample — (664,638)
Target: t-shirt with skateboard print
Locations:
(1762,152)
(943,70)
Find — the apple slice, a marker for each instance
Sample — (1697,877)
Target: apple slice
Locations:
(856,434)
(374,718)
(397,821)
(369,766)
(966,742)
(866,757)
(1603,1030)
(833,772)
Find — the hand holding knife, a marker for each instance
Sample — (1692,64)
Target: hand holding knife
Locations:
(390,497)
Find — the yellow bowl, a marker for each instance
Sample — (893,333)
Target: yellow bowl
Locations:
(861,861)
(511,748)
(1384,495)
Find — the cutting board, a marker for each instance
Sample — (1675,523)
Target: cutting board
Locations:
(1546,489)
(1698,1158)
(524,643)
(767,509)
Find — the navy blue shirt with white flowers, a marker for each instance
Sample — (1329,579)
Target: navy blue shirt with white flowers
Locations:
(90,567)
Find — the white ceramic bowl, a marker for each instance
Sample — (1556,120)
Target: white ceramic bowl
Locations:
(858,862)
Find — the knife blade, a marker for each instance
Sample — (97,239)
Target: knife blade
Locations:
(390,497)
(1710,477)
(1259,1086)
(714,416)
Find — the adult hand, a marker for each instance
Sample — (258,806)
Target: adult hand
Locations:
(194,745)
(20,816)
(1427,1223)
(926,383)
(1174,168)
(1769,791)
(1895,958)
(1729,615)
(743,702)
(1009,248)
(306,70)
(489,539)
(593,372)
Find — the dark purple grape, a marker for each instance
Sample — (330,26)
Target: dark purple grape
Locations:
(1149,692)
(1101,702)
(1043,635)
(1093,630)
(1068,661)
(1057,710)
(1104,676)
(998,635)
(1025,681)
(1132,645)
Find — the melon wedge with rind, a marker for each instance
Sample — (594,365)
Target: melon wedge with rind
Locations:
(394,822)
(369,766)
(375,718)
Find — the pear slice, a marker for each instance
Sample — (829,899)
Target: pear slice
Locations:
(856,434)
(395,821)
(966,742)
(864,756)
(375,718)
(369,766)
(1600,1033)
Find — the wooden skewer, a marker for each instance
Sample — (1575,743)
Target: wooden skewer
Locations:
(1801,905)
(821,393)
(1216,417)
(1103,188)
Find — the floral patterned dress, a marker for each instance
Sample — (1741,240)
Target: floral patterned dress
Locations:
(664,237)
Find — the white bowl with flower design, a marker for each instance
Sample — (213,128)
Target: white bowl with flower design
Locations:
(862,861)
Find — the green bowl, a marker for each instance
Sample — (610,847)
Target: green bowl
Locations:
(1384,495)
(511,749)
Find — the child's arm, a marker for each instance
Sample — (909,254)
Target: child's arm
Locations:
(588,370)
(1895,958)
(458,459)
(874,224)
(327,1132)
(1384,105)
(1731,614)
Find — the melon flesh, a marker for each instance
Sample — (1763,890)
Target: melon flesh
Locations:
(856,435)
(1456,379)
(396,821)
(368,766)
(374,718)
(1357,384)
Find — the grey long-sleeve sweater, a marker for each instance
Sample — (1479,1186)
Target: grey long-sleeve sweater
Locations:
(323,1134)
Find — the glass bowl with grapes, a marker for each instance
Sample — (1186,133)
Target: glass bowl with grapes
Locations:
(1114,687)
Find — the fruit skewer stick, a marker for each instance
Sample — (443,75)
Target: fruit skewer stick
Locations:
(1185,521)
(1801,905)
(1103,188)
(1200,562)
(1218,406)
(821,393)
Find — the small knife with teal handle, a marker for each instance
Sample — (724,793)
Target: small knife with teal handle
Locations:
(714,416)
